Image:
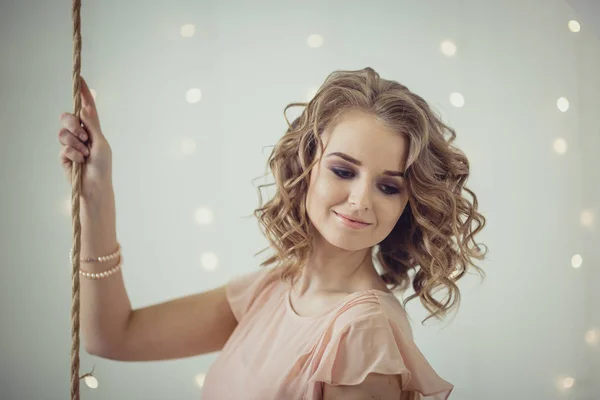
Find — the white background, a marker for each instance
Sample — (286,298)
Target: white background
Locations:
(517,335)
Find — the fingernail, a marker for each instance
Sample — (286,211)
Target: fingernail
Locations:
(83,136)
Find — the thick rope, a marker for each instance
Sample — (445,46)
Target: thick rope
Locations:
(75,194)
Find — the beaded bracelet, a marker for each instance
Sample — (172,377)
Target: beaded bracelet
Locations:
(101,259)
(104,274)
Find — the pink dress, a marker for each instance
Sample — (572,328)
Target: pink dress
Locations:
(276,354)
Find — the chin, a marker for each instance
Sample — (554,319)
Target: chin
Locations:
(343,240)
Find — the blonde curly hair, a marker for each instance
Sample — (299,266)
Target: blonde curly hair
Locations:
(433,237)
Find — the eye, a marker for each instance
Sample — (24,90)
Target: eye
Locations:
(345,174)
(342,173)
(391,190)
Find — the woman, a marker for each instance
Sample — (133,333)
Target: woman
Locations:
(366,175)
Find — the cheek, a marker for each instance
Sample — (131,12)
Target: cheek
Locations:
(318,194)
(327,189)
(389,214)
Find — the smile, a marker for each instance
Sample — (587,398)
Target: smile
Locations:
(349,223)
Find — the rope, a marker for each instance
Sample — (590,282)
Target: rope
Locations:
(75,195)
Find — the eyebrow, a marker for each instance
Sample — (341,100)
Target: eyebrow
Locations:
(358,163)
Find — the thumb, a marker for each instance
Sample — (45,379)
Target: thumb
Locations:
(89,113)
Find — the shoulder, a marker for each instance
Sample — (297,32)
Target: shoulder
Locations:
(371,309)
(370,353)
(254,281)
(243,291)
(374,386)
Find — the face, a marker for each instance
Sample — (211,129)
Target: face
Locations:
(350,179)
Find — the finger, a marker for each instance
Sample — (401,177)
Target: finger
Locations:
(91,123)
(70,154)
(87,99)
(73,125)
(64,158)
(89,112)
(68,139)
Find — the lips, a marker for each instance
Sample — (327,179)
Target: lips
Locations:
(353,220)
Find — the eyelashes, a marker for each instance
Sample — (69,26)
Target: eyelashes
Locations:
(346,174)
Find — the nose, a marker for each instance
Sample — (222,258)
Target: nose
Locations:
(360,196)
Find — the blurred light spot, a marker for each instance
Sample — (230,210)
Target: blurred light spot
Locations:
(66,205)
(587,218)
(200,379)
(457,99)
(562,104)
(188,146)
(188,30)
(591,336)
(448,48)
(574,26)
(204,216)
(568,382)
(91,382)
(576,261)
(560,146)
(209,261)
(193,95)
(314,41)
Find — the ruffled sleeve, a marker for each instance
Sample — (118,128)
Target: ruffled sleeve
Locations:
(242,290)
(378,345)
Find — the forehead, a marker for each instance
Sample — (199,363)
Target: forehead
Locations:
(360,135)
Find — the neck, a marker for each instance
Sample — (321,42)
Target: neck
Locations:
(331,269)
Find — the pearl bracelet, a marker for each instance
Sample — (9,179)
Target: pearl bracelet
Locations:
(102,259)
(104,274)
(98,259)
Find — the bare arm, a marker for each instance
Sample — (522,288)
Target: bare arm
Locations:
(374,387)
(183,327)
(105,306)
